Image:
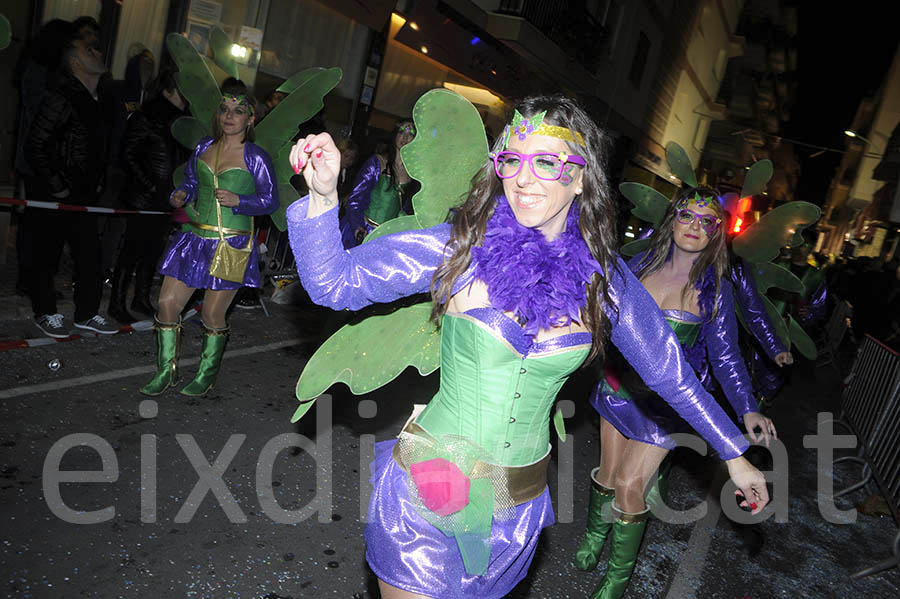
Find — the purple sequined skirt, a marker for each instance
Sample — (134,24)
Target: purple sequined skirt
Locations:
(188,257)
(406,551)
(642,417)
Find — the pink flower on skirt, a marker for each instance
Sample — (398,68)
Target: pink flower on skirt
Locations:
(442,486)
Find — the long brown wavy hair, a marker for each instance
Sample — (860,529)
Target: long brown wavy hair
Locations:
(597,215)
(715,253)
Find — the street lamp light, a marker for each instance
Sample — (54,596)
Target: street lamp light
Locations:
(852,133)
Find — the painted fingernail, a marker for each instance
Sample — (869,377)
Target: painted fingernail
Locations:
(306,149)
(752,506)
(319,154)
(296,169)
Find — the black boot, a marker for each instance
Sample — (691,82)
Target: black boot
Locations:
(120,280)
(142,284)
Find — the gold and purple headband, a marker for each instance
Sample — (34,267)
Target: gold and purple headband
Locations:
(697,199)
(241,100)
(522,128)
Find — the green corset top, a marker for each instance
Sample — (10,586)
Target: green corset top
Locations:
(203,208)
(685,325)
(498,396)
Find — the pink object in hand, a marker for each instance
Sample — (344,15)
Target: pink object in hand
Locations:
(612,378)
(443,487)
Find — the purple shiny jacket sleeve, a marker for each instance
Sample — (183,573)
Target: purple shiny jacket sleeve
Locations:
(724,354)
(359,197)
(754,311)
(382,270)
(648,343)
(816,306)
(265,200)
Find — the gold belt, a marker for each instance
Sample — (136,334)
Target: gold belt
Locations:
(225,230)
(525,482)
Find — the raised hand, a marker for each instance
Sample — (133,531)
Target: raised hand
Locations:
(320,161)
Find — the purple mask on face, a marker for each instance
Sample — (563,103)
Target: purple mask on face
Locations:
(708,222)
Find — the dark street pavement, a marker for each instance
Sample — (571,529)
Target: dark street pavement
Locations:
(161,543)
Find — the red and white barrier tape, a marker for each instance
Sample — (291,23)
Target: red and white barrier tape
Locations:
(73,207)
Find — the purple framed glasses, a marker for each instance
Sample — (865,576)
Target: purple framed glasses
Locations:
(545,165)
(708,222)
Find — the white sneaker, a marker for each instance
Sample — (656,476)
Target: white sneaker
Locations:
(53,325)
(98,324)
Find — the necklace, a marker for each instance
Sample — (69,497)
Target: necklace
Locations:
(542,283)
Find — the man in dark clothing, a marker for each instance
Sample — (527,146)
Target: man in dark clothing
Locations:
(67,149)
(150,155)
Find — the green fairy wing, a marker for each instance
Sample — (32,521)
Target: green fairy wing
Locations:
(5,32)
(198,86)
(757,178)
(449,148)
(762,241)
(221,47)
(276,132)
(649,204)
(352,355)
(781,227)
(680,164)
(447,126)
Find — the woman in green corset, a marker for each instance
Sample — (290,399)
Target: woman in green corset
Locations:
(382,190)
(227,181)
(526,286)
(686,271)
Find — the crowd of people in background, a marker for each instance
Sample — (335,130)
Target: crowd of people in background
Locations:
(126,159)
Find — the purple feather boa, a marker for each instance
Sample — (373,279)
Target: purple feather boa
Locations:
(541,282)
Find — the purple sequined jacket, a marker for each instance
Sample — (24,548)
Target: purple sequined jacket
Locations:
(264,201)
(395,266)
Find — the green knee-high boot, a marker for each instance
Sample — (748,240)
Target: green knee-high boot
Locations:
(588,553)
(168,342)
(210,360)
(627,532)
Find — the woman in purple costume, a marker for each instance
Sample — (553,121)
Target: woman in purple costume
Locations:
(382,189)
(526,286)
(226,173)
(686,271)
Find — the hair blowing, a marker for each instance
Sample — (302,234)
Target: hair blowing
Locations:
(715,253)
(596,205)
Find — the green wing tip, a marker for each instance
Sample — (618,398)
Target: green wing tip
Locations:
(302,409)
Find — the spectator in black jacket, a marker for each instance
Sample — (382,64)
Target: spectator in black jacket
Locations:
(149,156)
(67,149)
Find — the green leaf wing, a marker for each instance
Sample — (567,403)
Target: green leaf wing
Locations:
(353,355)
(768,275)
(449,149)
(801,340)
(777,321)
(757,178)
(649,204)
(276,132)
(680,164)
(221,47)
(779,228)
(298,79)
(195,82)
(188,131)
(5,32)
